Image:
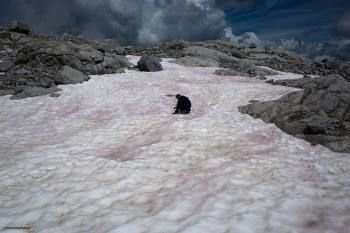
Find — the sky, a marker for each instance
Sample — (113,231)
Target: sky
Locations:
(311,20)
(136,22)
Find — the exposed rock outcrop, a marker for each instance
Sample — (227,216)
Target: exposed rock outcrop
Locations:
(37,62)
(149,64)
(319,114)
(228,55)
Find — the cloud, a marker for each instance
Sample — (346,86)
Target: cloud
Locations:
(332,49)
(238,5)
(342,28)
(129,22)
(245,39)
(271,3)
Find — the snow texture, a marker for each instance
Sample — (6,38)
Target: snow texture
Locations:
(108,156)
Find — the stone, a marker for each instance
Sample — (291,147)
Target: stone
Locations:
(252,46)
(238,54)
(245,68)
(178,44)
(32,91)
(5,35)
(230,72)
(196,61)
(18,27)
(68,75)
(98,59)
(149,64)
(318,114)
(6,92)
(6,65)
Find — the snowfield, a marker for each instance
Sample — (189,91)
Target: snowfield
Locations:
(108,156)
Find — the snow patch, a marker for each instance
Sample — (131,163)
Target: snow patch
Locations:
(107,155)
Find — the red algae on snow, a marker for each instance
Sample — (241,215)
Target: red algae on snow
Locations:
(108,156)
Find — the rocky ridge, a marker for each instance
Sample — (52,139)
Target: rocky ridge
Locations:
(32,65)
(319,114)
(241,60)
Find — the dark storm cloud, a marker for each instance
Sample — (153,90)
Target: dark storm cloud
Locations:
(129,22)
(342,28)
(237,5)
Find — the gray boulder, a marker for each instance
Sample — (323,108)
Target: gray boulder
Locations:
(223,59)
(245,68)
(32,91)
(230,72)
(18,27)
(199,51)
(6,65)
(178,44)
(319,114)
(196,61)
(68,75)
(238,54)
(252,46)
(149,64)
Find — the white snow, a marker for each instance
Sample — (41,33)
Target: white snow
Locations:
(108,156)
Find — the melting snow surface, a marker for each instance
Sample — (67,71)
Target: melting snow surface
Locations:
(108,156)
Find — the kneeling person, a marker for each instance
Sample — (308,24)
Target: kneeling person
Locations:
(183,105)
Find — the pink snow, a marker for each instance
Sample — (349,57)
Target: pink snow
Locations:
(108,156)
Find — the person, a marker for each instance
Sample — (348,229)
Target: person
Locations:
(183,105)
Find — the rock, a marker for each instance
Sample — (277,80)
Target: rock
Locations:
(72,61)
(245,68)
(6,65)
(198,51)
(319,114)
(196,61)
(115,64)
(230,72)
(98,59)
(149,64)
(32,91)
(68,75)
(43,60)
(223,59)
(4,90)
(108,46)
(24,55)
(7,92)
(157,58)
(5,35)
(238,54)
(252,46)
(55,95)
(18,27)
(178,44)
(253,101)
(221,51)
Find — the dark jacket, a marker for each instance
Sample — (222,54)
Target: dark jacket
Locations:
(183,105)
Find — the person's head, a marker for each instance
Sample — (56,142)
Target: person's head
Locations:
(178,96)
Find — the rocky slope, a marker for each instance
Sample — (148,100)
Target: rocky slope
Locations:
(319,114)
(244,60)
(32,65)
